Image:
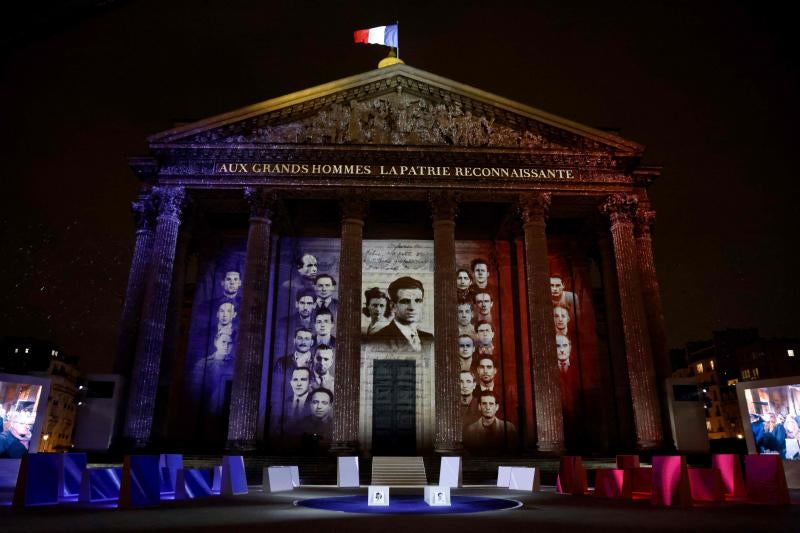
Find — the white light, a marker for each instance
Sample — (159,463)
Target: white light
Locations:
(705,391)
(80,403)
(45,437)
(80,387)
(790,353)
(739,436)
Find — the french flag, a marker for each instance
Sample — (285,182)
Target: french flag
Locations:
(385,35)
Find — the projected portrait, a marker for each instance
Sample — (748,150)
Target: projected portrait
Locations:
(19,403)
(404,332)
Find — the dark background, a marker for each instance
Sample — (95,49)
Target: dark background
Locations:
(709,87)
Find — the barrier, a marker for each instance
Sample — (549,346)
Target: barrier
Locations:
(571,476)
(730,469)
(347,472)
(705,485)
(277,478)
(613,483)
(193,483)
(38,481)
(71,473)
(670,482)
(524,478)
(141,481)
(234,479)
(765,480)
(100,484)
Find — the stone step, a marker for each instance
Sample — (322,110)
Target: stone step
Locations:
(398,471)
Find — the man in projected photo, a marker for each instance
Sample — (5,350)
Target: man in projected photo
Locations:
(480,273)
(489,432)
(465,326)
(487,371)
(323,326)
(304,303)
(407,295)
(483,304)
(231,284)
(307,268)
(470,411)
(303,341)
(464,285)
(485,336)
(378,309)
(318,423)
(226,314)
(322,376)
(562,297)
(561,320)
(297,405)
(563,350)
(466,349)
(325,289)
(14,441)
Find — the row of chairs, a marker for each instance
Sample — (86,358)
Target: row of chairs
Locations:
(143,480)
(671,482)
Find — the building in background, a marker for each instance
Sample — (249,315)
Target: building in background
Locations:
(22,355)
(731,356)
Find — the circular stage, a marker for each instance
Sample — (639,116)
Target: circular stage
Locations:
(407,504)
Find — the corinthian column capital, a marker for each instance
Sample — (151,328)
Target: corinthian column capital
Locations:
(620,207)
(144,213)
(171,201)
(262,201)
(444,206)
(645,218)
(534,207)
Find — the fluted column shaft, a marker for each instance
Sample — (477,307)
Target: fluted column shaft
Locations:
(348,330)
(448,434)
(652,303)
(150,342)
(620,209)
(246,386)
(546,379)
(134,294)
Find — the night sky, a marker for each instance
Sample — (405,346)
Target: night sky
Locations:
(709,87)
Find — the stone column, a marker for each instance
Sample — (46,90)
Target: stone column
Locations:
(616,342)
(652,304)
(546,380)
(448,435)
(144,215)
(246,386)
(621,208)
(150,342)
(348,330)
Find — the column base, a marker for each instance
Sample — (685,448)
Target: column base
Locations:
(648,444)
(241,445)
(550,447)
(345,448)
(448,448)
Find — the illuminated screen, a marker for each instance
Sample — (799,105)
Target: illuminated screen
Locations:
(19,406)
(775,419)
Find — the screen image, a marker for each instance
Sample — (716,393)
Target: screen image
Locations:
(19,407)
(774,416)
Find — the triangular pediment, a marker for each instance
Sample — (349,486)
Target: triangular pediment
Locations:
(397,106)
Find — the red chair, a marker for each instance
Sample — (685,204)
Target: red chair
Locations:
(571,476)
(670,482)
(765,480)
(706,485)
(730,469)
(613,483)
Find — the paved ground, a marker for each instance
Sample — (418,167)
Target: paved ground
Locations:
(544,511)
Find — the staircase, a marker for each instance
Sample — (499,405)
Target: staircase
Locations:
(399,471)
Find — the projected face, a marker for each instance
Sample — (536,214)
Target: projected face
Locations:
(467,382)
(462,280)
(305,305)
(232,283)
(481,273)
(560,318)
(324,287)
(320,404)
(309,267)
(486,371)
(408,309)
(222,344)
(485,334)
(323,361)
(791,427)
(303,340)
(300,381)
(563,349)
(556,287)
(21,423)
(483,301)
(225,314)
(323,325)
(466,347)
(464,314)
(377,308)
(489,407)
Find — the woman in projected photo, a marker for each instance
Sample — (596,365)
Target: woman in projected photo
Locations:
(792,443)
(378,309)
